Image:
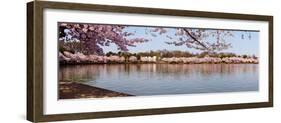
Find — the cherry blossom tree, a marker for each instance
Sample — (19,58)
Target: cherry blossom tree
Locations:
(92,37)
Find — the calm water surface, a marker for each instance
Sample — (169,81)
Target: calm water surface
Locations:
(160,79)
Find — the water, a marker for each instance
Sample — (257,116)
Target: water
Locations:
(165,79)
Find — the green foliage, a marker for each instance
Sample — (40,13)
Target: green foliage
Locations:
(244,56)
(61,49)
(111,54)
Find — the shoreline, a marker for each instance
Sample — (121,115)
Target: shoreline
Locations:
(79,58)
(73,90)
(86,63)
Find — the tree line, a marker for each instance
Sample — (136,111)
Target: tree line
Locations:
(178,53)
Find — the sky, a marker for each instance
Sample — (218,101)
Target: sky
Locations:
(240,46)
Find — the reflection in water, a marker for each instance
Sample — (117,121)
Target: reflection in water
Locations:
(156,79)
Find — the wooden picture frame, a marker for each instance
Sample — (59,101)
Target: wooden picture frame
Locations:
(35,62)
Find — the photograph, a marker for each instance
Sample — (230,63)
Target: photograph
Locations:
(99,60)
(90,61)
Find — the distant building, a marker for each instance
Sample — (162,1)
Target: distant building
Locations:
(148,59)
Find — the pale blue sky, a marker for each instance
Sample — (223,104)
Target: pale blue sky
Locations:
(249,46)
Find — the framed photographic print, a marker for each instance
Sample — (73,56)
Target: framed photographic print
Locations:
(96,61)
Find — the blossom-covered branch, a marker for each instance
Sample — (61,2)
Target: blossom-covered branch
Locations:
(198,38)
(92,36)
